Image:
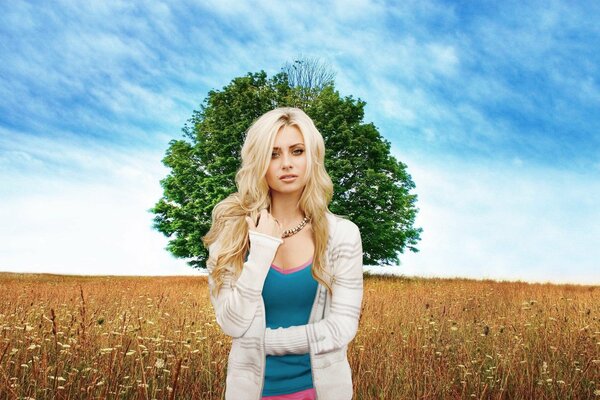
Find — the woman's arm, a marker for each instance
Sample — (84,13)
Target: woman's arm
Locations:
(341,324)
(235,306)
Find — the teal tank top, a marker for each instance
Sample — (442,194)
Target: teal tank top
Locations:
(288,296)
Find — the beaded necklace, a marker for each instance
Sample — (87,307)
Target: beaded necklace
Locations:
(297,229)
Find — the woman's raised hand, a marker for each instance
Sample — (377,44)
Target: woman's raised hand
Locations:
(266,224)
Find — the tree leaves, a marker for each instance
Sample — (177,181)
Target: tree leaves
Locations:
(370,186)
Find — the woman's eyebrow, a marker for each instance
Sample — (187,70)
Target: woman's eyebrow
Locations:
(294,145)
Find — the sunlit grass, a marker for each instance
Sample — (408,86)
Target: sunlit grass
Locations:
(156,338)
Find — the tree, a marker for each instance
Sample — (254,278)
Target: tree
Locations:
(370,186)
(309,77)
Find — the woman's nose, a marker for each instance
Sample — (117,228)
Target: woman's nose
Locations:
(287,160)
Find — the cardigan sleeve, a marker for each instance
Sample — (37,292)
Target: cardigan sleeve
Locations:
(341,324)
(236,304)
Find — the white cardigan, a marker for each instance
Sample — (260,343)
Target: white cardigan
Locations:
(333,321)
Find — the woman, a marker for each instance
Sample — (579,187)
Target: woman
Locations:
(285,274)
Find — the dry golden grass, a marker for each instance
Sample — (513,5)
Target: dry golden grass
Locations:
(68,337)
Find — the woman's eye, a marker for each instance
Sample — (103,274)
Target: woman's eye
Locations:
(297,152)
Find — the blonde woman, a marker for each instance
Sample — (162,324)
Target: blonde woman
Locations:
(285,274)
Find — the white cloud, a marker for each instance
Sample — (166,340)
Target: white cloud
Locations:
(444,58)
(97,226)
(503,222)
(85,230)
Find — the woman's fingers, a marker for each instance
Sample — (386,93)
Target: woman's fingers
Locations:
(250,223)
(265,223)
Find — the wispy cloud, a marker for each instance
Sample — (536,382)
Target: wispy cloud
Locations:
(503,221)
(90,95)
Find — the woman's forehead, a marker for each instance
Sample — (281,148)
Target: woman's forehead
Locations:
(288,136)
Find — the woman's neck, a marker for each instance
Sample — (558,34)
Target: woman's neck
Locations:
(284,208)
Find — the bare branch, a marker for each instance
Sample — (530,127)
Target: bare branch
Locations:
(309,73)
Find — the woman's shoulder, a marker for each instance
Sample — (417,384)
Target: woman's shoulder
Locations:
(342,228)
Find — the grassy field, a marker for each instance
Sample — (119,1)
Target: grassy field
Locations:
(68,337)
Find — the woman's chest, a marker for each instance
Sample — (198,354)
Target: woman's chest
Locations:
(295,250)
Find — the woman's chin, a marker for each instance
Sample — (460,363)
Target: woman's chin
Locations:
(289,189)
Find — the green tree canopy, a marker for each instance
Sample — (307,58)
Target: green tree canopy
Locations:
(370,186)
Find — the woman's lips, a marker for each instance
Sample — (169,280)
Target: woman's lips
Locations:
(288,178)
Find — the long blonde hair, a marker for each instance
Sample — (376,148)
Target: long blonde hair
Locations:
(228,216)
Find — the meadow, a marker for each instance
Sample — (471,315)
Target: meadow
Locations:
(72,337)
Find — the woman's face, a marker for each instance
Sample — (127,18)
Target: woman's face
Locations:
(287,158)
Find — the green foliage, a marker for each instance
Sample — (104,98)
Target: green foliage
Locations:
(370,186)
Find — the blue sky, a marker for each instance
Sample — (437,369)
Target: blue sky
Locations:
(493,106)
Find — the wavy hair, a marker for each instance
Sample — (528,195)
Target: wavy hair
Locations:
(229,226)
